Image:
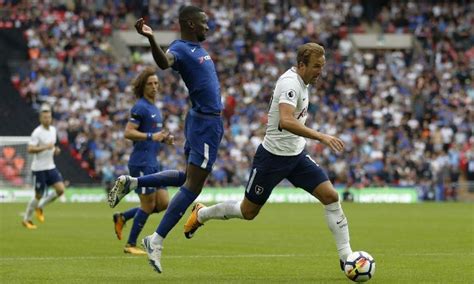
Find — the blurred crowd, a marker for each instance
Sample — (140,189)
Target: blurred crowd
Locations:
(405,115)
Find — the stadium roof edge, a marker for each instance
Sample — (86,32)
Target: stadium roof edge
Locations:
(132,38)
(382,41)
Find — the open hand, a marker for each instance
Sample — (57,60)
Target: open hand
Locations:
(332,142)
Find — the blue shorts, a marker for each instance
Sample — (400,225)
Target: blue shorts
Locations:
(138,171)
(43,179)
(269,170)
(203,135)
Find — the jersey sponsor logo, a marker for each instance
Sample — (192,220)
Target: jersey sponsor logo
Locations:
(203,58)
(290,94)
(258,189)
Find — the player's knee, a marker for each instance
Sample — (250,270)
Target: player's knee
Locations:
(147,205)
(329,197)
(249,214)
(59,192)
(161,206)
(147,209)
(59,188)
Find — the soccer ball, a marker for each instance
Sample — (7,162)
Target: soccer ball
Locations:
(359,266)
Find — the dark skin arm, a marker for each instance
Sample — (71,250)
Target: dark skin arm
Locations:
(162,59)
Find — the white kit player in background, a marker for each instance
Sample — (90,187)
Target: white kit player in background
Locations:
(282,155)
(42,146)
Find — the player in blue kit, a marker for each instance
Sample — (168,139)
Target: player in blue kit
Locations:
(144,128)
(203,126)
(282,155)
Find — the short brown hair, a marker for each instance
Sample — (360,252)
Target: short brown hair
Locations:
(138,85)
(306,50)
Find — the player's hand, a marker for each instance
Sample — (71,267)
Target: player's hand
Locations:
(57,150)
(142,28)
(160,136)
(169,139)
(49,146)
(332,142)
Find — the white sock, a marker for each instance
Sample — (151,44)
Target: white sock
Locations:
(225,210)
(47,199)
(337,223)
(156,239)
(133,183)
(30,208)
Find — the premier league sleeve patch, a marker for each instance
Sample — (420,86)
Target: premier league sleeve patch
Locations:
(290,94)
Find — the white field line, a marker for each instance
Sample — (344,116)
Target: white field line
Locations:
(53,258)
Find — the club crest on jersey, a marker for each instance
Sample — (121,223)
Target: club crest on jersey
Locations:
(258,189)
(290,94)
(203,58)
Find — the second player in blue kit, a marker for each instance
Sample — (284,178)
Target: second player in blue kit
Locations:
(145,129)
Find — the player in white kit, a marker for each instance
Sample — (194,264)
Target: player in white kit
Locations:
(42,146)
(282,155)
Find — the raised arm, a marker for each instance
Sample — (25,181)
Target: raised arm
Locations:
(162,59)
(291,124)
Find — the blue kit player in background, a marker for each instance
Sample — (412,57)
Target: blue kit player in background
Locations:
(282,155)
(203,126)
(145,130)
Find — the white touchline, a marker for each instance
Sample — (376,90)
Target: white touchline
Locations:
(223,256)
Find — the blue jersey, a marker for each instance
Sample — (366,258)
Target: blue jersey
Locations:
(199,74)
(148,118)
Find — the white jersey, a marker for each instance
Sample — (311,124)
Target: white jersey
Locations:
(41,136)
(289,89)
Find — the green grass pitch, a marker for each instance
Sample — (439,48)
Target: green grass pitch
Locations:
(287,243)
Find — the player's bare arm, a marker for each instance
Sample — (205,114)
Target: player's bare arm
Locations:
(162,59)
(40,148)
(291,124)
(132,133)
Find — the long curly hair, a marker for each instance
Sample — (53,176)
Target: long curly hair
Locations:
(138,85)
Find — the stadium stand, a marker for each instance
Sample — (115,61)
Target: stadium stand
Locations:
(16,112)
(405,114)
